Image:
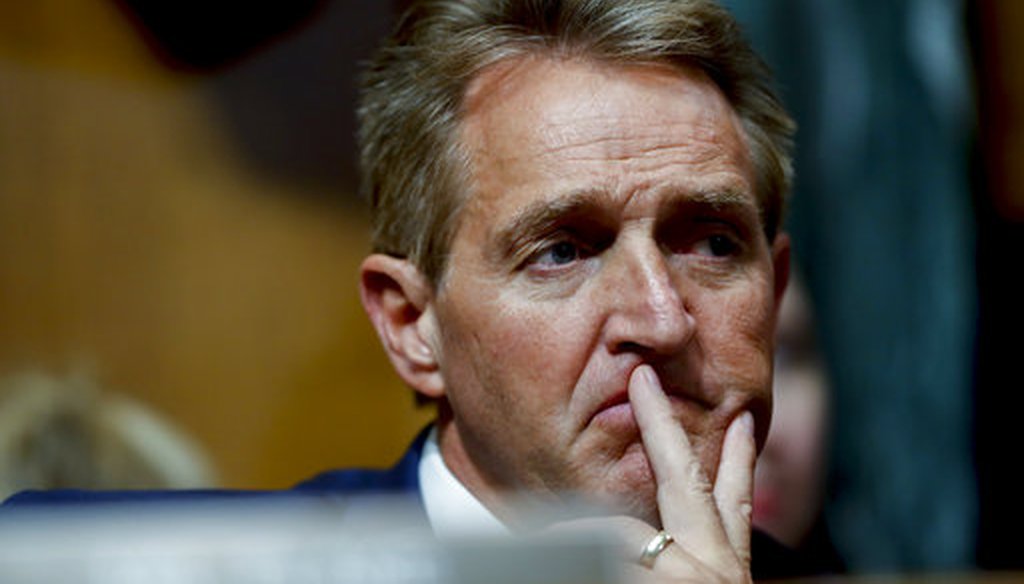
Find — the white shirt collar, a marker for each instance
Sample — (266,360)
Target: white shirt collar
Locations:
(451,509)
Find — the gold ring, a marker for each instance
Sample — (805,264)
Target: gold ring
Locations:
(654,547)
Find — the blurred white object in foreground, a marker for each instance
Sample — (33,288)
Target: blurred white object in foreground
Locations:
(308,541)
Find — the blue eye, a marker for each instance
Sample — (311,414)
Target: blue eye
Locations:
(562,253)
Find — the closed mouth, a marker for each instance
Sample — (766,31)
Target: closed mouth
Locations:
(621,397)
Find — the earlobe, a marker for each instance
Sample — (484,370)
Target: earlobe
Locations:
(399,301)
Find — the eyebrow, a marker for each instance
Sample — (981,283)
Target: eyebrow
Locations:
(729,200)
(544,216)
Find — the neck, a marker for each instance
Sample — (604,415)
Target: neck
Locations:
(494,496)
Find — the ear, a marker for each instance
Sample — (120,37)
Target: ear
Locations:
(399,301)
(780,262)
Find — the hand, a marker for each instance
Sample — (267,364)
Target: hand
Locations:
(711,526)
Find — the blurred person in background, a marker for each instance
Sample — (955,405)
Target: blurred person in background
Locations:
(791,475)
(69,433)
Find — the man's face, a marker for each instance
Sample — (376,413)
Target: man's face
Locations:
(612,222)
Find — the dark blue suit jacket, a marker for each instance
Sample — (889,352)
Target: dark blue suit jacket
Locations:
(770,560)
(401,478)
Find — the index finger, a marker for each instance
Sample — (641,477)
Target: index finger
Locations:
(685,500)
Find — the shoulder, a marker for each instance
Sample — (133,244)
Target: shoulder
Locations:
(403,477)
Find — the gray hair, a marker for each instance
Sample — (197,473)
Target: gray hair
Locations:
(415,171)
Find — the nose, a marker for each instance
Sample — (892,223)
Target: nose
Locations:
(648,312)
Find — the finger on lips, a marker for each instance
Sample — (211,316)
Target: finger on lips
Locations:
(684,492)
(713,527)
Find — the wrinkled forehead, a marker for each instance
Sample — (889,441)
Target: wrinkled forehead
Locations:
(557,90)
(533,118)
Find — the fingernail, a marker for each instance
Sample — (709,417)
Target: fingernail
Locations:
(745,422)
(647,375)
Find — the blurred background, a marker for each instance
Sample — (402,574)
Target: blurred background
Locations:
(178,220)
(179,228)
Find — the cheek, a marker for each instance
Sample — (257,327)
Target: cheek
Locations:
(532,350)
(736,331)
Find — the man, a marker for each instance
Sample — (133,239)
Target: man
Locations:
(576,212)
(576,209)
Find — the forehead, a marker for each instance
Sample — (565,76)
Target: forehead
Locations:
(546,126)
(568,88)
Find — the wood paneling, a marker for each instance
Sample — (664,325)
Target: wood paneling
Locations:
(134,238)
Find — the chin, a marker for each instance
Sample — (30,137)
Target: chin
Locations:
(632,489)
(642,504)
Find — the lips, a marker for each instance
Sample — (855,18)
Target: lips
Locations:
(621,397)
(616,412)
(616,405)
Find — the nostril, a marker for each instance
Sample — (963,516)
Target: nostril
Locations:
(632,347)
(649,351)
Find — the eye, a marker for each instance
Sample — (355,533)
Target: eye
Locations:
(718,245)
(558,254)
